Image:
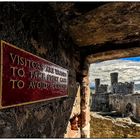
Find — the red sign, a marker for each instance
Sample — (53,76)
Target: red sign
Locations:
(26,78)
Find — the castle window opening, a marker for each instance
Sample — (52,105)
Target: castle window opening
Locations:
(115,86)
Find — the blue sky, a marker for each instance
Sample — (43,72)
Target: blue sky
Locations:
(131,58)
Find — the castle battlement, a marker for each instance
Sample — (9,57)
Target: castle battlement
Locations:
(120,96)
(116,87)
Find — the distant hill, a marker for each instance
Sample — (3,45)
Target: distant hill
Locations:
(92,85)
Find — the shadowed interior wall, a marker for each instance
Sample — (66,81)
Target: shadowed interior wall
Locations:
(36,28)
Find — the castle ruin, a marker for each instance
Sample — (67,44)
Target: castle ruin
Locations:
(120,98)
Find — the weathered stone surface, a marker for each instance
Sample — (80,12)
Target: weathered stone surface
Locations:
(85,108)
(73,129)
(127,105)
(100,102)
(36,28)
(110,22)
(108,127)
(113,54)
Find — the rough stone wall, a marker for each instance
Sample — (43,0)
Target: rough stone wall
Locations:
(109,127)
(73,129)
(100,102)
(138,106)
(116,102)
(121,102)
(36,28)
(85,108)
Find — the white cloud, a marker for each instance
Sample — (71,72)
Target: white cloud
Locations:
(128,71)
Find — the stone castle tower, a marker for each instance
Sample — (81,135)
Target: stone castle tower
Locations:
(114,80)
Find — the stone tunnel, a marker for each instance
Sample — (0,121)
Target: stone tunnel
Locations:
(71,35)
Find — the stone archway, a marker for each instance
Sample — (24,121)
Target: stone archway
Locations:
(102,32)
(108,32)
(129,109)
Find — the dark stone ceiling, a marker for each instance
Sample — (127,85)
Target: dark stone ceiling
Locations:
(84,7)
